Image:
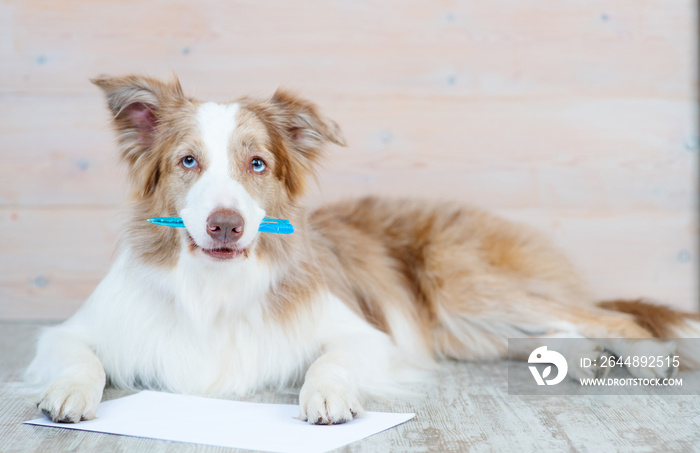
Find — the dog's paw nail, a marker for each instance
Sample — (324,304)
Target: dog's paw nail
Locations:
(329,406)
(70,402)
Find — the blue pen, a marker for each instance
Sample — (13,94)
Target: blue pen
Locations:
(279,226)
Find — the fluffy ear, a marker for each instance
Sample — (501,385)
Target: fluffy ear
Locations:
(307,129)
(306,132)
(136,104)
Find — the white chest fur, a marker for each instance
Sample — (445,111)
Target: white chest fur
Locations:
(193,329)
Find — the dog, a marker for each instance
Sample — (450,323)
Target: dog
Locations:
(363,298)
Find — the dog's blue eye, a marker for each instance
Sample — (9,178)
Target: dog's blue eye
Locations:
(189,162)
(258,165)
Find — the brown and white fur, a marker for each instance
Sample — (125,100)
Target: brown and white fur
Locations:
(360,295)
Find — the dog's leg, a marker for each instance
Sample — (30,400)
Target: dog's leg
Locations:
(624,337)
(356,359)
(67,375)
(537,316)
(330,393)
(619,334)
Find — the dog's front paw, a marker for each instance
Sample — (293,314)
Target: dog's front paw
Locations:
(328,404)
(69,401)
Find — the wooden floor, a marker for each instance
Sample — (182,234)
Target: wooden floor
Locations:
(467,408)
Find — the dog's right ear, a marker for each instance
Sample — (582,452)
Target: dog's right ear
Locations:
(136,103)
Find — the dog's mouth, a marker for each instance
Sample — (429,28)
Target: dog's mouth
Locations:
(225,253)
(219,253)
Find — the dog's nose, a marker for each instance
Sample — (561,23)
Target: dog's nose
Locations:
(225,226)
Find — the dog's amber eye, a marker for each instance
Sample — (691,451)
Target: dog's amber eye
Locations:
(189,162)
(258,165)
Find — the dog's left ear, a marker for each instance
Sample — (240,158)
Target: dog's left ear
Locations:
(306,133)
(305,126)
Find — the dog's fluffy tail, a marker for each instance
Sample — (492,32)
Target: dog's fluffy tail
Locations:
(660,321)
(663,322)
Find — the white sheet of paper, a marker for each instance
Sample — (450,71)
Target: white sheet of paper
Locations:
(225,423)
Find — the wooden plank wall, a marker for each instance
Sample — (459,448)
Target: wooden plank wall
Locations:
(578,117)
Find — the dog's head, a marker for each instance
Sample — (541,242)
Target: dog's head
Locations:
(221,167)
